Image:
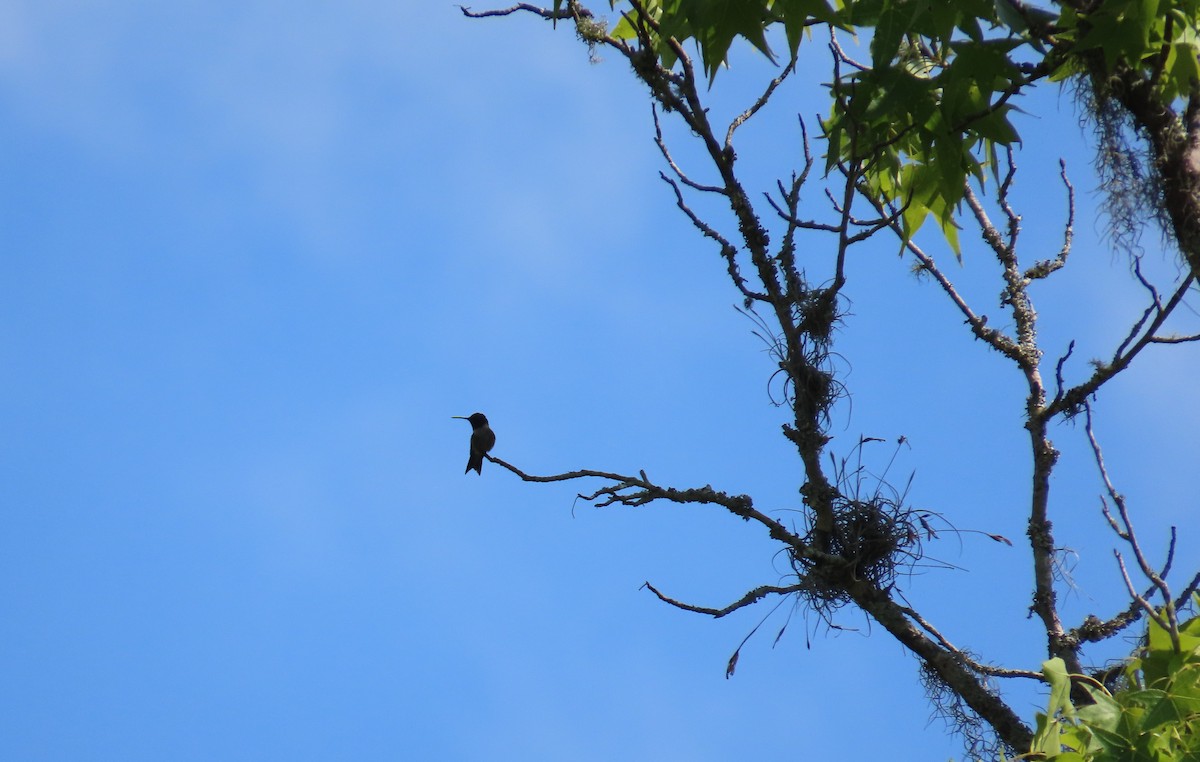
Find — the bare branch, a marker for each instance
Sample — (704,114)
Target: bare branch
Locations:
(1174,339)
(745,116)
(639,490)
(728,250)
(1058,371)
(1015,293)
(1125,531)
(1167,623)
(794,285)
(1170,557)
(1155,306)
(991,234)
(1130,348)
(1047,266)
(1014,219)
(791,199)
(840,54)
(1117,530)
(788,216)
(1093,630)
(580,474)
(662,147)
(754,596)
(1186,595)
(546,13)
(1167,619)
(982,669)
(978,323)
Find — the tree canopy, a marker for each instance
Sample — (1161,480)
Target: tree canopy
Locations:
(934,102)
(920,121)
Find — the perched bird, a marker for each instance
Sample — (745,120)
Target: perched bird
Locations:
(482,440)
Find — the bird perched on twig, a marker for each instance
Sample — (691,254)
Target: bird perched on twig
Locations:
(482,440)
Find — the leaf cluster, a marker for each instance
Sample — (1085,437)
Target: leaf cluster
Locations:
(923,121)
(714,24)
(1156,36)
(1155,717)
(935,101)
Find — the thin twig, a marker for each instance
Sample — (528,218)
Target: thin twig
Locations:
(728,250)
(1058,371)
(753,596)
(841,54)
(1161,621)
(1174,339)
(1047,266)
(1126,533)
(545,13)
(662,147)
(982,669)
(978,323)
(1129,348)
(745,116)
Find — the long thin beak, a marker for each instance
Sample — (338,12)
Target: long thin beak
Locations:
(460,417)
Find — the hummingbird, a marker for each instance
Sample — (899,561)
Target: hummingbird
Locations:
(482,440)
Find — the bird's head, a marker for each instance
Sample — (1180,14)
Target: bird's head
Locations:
(477,420)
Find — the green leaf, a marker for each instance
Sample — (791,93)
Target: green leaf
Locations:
(864,13)
(1123,30)
(996,127)
(624,30)
(987,63)
(1164,711)
(922,196)
(1112,742)
(715,23)
(796,14)
(897,98)
(1010,17)
(1046,739)
(1055,671)
(1105,713)
(895,20)
(950,232)
(1189,637)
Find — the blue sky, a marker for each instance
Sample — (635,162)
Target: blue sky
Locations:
(255,257)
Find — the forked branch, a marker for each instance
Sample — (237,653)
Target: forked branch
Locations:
(638,490)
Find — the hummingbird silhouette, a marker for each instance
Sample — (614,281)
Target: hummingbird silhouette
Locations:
(482,440)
